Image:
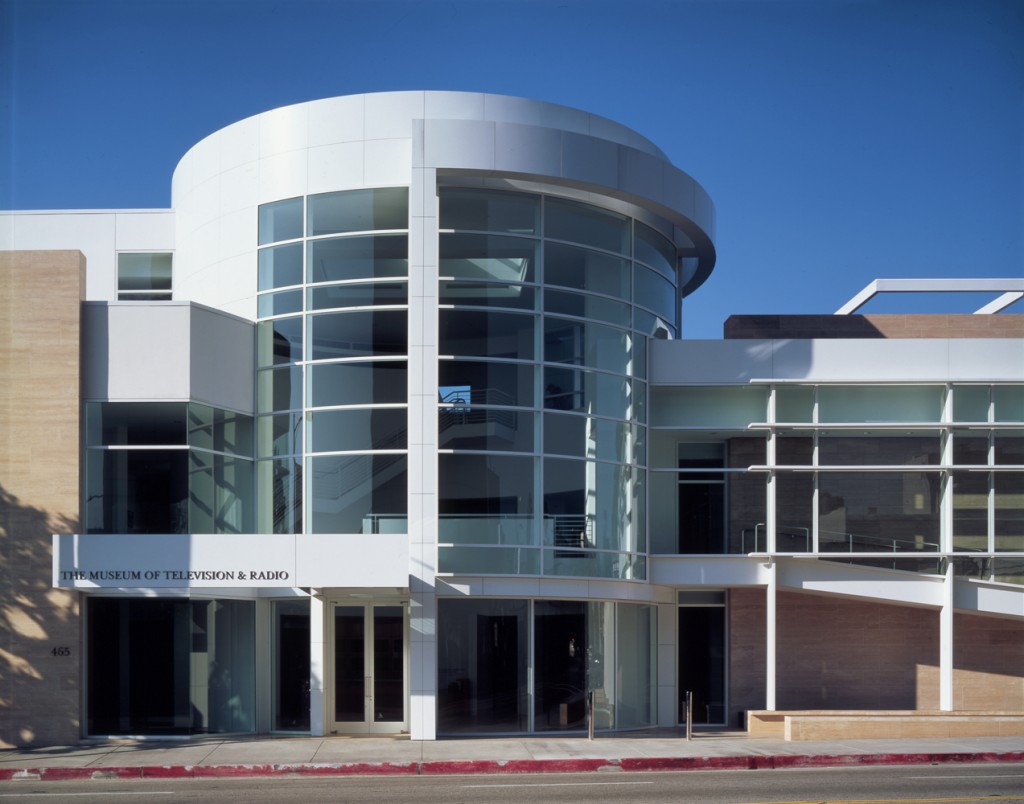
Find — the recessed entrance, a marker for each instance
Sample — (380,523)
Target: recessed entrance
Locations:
(370,669)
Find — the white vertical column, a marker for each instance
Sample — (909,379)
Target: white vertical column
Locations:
(771,520)
(769,638)
(946,643)
(668,658)
(317,666)
(422,490)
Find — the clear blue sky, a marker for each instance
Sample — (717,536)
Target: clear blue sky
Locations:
(841,140)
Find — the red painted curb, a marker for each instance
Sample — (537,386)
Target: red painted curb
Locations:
(487,766)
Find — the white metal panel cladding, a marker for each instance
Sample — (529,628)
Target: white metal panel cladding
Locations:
(189,561)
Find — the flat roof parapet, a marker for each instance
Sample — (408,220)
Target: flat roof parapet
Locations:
(902,325)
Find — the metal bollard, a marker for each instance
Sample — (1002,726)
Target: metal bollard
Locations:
(689,715)
(590,715)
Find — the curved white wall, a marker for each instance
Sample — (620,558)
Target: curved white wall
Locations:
(379,140)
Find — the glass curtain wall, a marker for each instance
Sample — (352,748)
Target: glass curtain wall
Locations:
(546,306)
(167,467)
(484,648)
(855,469)
(170,667)
(332,359)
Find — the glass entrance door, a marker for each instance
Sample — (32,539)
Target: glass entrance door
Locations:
(370,669)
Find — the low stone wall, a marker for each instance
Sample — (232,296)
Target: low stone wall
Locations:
(862,725)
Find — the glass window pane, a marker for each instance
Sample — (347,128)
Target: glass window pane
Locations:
(794,448)
(1008,447)
(504,259)
(655,250)
(219,430)
(280,266)
(587,270)
(794,403)
(279,435)
(970,448)
(1009,402)
(489,210)
(852,403)
(482,654)
(469,332)
(651,325)
(1009,511)
(496,429)
(584,437)
(879,512)
(379,382)
(586,344)
(270,304)
(137,491)
(487,294)
(588,392)
(706,407)
(970,403)
(358,493)
(279,496)
(481,383)
(375,295)
(136,423)
(586,306)
(794,500)
(341,258)
(351,430)
(359,211)
(279,389)
(587,505)
(291,665)
(143,271)
(879,448)
(586,225)
(970,511)
(281,220)
(279,341)
(655,293)
(560,665)
(489,560)
(636,646)
(485,484)
(358,334)
(220,494)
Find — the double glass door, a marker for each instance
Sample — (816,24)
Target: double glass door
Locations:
(370,668)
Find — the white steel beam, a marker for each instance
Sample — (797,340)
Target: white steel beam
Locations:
(1007,286)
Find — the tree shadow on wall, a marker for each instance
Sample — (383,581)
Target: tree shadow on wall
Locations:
(41,650)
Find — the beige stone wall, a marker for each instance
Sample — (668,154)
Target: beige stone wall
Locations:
(843,654)
(40,300)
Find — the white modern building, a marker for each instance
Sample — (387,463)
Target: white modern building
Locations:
(385,428)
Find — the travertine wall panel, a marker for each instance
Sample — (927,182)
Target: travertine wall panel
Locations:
(40,651)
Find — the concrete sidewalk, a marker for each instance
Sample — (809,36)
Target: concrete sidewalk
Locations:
(662,750)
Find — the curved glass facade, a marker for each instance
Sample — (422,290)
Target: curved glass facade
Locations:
(332,363)
(545,309)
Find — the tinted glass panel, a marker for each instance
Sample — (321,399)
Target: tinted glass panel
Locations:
(377,294)
(143,271)
(584,344)
(484,484)
(586,392)
(336,335)
(655,292)
(467,332)
(655,250)
(587,270)
(280,266)
(281,220)
(487,294)
(879,448)
(137,491)
(970,403)
(359,211)
(585,437)
(136,423)
(465,427)
(585,306)
(1009,403)
(379,382)
(279,341)
(279,303)
(880,404)
(485,383)
(341,258)
(505,259)
(279,435)
(358,494)
(280,389)
(349,430)
(587,225)
(489,211)
(280,496)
